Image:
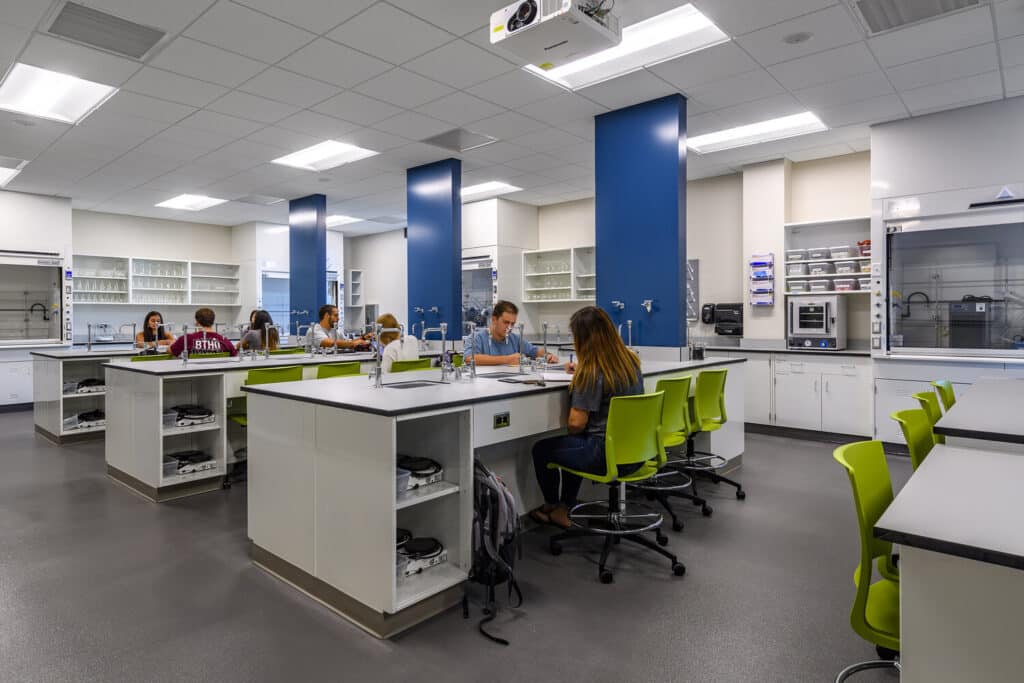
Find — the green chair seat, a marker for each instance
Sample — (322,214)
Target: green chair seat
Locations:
(337,370)
(242,420)
(673,439)
(882,609)
(287,352)
(407,365)
(917,431)
(946,393)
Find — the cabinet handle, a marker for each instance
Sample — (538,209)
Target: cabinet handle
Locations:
(815,386)
(827,388)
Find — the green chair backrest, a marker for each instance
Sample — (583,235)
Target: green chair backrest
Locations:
(929,404)
(219,354)
(675,412)
(945,389)
(917,431)
(286,352)
(633,433)
(288,373)
(406,365)
(158,356)
(709,398)
(337,370)
(868,471)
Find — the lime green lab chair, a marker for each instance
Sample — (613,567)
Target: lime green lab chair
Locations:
(337,370)
(945,389)
(407,365)
(288,373)
(707,414)
(917,432)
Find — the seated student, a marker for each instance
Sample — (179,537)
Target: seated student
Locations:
(395,348)
(153,334)
(203,339)
(258,338)
(498,344)
(321,331)
(604,368)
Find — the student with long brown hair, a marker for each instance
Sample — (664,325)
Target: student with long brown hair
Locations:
(605,368)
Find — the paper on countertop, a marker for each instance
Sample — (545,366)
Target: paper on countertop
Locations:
(556,376)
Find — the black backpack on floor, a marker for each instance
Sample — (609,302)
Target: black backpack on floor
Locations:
(496,542)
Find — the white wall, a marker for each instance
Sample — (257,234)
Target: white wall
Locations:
(834,187)
(765,211)
(30,222)
(382,258)
(714,235)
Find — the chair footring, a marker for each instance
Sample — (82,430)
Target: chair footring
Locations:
(677,482)
(615,522)
(864,666)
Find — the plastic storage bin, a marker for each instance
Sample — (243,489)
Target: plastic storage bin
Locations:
(821,268)
(843,251)
(401,482)
(845,284)
(400,563)
(820,285)
(799,286)
(818,253)
(864,247)
(796,254)
(796,269)
(847,267)
(170,418)
(865,266)
(864,282)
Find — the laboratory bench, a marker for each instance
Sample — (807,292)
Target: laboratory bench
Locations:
(986,416)
(961,566)
(322,504)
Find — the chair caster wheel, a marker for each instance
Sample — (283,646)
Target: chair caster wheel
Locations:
(886,654)
(662,540)
(741,494)
(706,511)
(555,548)
(606,576)
(677,526)
(678,569)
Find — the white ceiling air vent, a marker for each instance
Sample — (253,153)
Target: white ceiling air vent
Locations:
(105,31)
(879,16)
(460,140)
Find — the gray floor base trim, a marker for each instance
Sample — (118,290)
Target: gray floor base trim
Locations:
(68,438)
(164,493)
(16,407)
(806,434)
(377,624)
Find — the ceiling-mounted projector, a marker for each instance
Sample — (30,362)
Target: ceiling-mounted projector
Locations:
(549,33)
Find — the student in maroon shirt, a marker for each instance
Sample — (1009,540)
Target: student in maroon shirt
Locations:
(203,339)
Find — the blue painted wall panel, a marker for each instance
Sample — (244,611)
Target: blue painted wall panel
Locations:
(640,206)
(307,256)
(434,208)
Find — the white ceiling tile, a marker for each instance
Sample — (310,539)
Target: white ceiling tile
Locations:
(562,108)
(822,152)
(276,136)
(168,86)
(1009,17)
(1012,51)
(835,93)
(581,154)
(497,153)
(459,108)
(639,86)
(198,60)
(22,13)
(931,38)
(124,125)
(772,107)
(459,64)
(77,60)
(829,28)
(171,150)
(133,104)
(352,106)
(202,140)
(223,124)
(962,91)
(1014,78)
(313,15)
(413,126)
(546,140)
(753,85)
(247,32)
(240,155)
(567,172)
(515,89)
(825,67)
(974,60)
(145,163)
(318,125)
(27,142)
(188,178)
(581,128)
(170,17)
(334,63)
(404,88)
(290,88)
(246,106)
(12,39)
(875,110)
(390,34)
(457,16)
(370,138)
(703,66)
(705,123)
(534,163)
(506,126)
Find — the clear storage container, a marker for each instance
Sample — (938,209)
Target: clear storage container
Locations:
(796,269)
(865,266)
(799,287)
(820,285)
(847,267)
(843,251)
(820,252)
(401,482)
(821,268)
(796,254)
(845,284)
(170,418)
(864,282)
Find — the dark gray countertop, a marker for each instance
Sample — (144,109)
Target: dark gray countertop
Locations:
(989,409)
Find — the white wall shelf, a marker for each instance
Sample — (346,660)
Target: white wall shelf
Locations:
(191,429)
(425,493)
(830,260)
(565,270)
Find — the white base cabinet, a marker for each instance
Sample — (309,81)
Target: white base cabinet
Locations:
(824,394)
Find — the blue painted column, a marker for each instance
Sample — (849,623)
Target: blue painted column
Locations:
(434,245)
(640,206)
(307,255)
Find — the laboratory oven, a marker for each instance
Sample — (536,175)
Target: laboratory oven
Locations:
(817,322)
(35,299)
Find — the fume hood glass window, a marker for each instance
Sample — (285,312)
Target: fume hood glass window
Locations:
(960,288)
(30,308)
(276,298)
(477,294)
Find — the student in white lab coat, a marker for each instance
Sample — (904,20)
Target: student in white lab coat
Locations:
(395,348)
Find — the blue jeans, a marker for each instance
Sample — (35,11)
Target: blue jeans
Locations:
(580,452)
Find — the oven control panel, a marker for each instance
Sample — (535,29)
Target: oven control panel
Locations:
(814,343)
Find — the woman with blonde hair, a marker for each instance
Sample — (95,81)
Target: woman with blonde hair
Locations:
(605,368)
(395,346)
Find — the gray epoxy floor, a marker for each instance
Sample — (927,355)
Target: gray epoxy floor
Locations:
(97,584)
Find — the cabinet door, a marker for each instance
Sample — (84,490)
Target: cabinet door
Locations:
(757,390)
(892,395)
(798,400)
(846,405)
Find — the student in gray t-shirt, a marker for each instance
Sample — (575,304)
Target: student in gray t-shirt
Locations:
(498,344)
(605,369)
(259,337)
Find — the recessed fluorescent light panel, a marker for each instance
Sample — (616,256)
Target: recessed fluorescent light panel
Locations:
(338,219)
(756,133)
(488,189)
(665,36)
(9,168)
(191,202)
(51,95)
(325,155)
